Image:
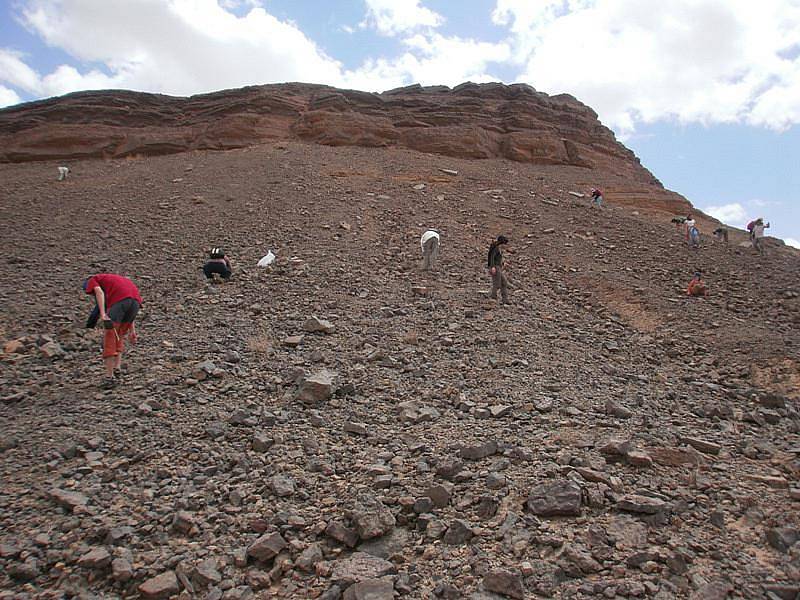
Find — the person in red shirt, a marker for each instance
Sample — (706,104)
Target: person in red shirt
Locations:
(697,287)
(118,302)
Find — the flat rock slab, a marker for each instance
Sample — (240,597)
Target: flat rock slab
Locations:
(505,583)
(67,499)
(478,451)
(160,587)
(359,567)
(266,547)
(559,499)
(646,505)
(316,388)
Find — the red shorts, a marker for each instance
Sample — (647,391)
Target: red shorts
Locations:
(112,339)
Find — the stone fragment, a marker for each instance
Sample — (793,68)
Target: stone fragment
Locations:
(316,389)
(317,325)
(266,547)
(675,457)
(24,571)
(372,519)
(371,589)
(206,573)
(459,532)
(617,410)
(282,486)
(309,558)
(635,503)
(505,583)
(615,447)
(262,442)
(96,558)
(714,590)
(703,446)
(783,538)
(342,534)
(160,587)
(478,451)
(183,522)
(359,567)
(440,494)
(121,570)
(67,499)
(562,498)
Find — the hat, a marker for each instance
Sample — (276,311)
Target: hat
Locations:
(501,239)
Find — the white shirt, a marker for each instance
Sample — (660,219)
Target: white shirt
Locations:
(758,230)
(689,223)
(428,235)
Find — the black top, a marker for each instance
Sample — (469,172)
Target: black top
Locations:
(495,258)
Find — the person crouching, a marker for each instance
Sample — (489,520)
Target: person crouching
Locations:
(218,263)
(118,302)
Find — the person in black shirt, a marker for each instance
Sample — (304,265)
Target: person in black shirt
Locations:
(495,264)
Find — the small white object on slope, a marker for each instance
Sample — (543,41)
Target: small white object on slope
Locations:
(267,260)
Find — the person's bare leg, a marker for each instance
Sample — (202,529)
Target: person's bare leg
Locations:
(109,362)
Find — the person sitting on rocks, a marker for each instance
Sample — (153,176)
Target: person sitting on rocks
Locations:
(597,197)
(118,303)
(218,264)
(430,248)
(721,233)
(697,287)
(495,264)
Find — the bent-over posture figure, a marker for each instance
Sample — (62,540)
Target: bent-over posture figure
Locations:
(62,173)
(118,303)
(721,233)
(495,264)
(219,263)
(430,248)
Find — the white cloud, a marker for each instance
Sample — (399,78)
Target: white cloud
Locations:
(391,17)
(177,47)
(432,59)
(707,61)
(792,242)
(733,214)
(8,97)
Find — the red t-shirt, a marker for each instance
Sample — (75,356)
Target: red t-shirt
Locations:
(115,287)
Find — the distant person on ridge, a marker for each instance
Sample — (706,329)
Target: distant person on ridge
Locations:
(62,173)
(721,233)
(430,248)
(495,264)
(218,264)
(756,229)
(697,287)
(118,303)
(597,197)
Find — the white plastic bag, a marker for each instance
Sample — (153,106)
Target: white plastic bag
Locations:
(267,260)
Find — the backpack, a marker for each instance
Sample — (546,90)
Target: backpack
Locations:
(217,253)
(750,226)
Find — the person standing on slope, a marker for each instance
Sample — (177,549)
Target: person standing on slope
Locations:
(757,233)
(495,264)
(597,197)
(430,248)
(692,233)
(118,303)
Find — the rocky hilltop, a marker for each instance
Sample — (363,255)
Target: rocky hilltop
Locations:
(469,121)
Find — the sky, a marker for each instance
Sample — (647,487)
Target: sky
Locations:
(706,92)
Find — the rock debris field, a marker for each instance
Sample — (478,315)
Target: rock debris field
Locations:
(344,425)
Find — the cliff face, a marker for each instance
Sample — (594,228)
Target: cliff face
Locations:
(469,121)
